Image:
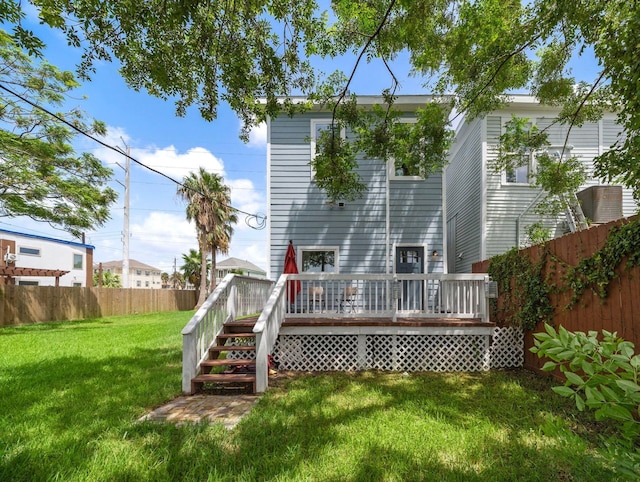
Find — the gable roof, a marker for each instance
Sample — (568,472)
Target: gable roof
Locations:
(235,263)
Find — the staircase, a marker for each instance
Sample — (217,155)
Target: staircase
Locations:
(231,363)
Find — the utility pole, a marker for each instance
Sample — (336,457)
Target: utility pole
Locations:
(125,230)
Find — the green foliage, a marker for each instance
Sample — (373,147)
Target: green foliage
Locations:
(537,233)
(523,289)
(109,280)
(602,376)
(598,270)
(41,176)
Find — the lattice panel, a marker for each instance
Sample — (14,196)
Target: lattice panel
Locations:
(507,347)
(437,353)
(317,353)
(241,354)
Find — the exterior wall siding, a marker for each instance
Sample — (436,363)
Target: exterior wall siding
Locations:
(300,212)
(464,198)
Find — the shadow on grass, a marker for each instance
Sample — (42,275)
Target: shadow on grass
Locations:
(75,420)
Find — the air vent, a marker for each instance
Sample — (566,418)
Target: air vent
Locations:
(601,204)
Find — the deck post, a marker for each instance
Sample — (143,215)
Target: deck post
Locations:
(189,360)
(262,364)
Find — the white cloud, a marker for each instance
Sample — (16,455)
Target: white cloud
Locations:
(258,136)
(246,198)
(166,160)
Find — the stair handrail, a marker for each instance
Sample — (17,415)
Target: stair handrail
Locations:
(235,296)
(267,329)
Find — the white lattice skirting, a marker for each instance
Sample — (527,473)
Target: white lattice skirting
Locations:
(438,353)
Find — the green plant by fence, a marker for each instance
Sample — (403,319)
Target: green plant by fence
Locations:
(34,304)
(590,281)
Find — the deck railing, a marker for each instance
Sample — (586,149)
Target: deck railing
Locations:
(333,295)
(266,330)
(416,295)
(234,297)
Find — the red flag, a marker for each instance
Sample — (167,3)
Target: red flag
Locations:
(290,267)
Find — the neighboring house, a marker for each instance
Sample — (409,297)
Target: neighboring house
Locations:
(397,226)
(488,212)
(140,275)
(29,259)
(238,266)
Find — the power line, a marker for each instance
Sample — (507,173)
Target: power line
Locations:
(260,219)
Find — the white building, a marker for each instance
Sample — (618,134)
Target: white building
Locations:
(140,275)
(29,259)
(238,266)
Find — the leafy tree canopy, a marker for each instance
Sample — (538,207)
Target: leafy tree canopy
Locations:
(476,51)
(41,176)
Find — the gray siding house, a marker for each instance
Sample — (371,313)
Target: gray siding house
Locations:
(487,212)
(397,226)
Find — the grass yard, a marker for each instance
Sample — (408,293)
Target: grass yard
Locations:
(70,395)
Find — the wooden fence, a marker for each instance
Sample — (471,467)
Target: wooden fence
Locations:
(619,312)
(34,304)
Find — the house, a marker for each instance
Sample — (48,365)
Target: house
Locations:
(488,212)
(238,266)
(140,275)
(397,226)
(33,260)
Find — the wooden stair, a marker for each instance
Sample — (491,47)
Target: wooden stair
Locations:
(231,373)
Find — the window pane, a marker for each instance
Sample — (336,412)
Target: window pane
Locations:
(519,175)
(33,251)
(77,261)
(318,261)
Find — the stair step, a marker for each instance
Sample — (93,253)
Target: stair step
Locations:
(226,336)
(221,362)
(197,382)
(221,348)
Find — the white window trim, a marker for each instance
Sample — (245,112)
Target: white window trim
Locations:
(336,249)
(312,137)
(73,260)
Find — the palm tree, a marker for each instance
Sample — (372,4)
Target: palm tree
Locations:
(219,240)
(192,267)
(208,206)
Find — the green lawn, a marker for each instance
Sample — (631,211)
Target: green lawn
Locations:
(70,395)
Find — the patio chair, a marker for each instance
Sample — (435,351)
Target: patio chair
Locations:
(349,297)
(316,298)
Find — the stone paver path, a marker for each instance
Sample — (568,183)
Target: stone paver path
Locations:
(227,409)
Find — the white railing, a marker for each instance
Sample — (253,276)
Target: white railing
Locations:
(266,330)
(234,297)
(414,295)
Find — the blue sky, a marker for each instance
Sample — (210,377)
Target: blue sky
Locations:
(159,231)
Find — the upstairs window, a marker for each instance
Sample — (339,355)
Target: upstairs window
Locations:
(521,173)
(29,251)
(77,261)
(317,127)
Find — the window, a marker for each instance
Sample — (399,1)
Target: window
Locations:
(77,261)
(27,283)
(319,259)
(520,174)
(29,251)
(77,285)
(138,272)
(403,169)
(147,273)
(138,283)
(317,126)
(146,283)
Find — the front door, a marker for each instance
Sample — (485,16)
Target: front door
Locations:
(410,260)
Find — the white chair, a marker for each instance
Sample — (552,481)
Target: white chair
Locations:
(316,298)
(349,297)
